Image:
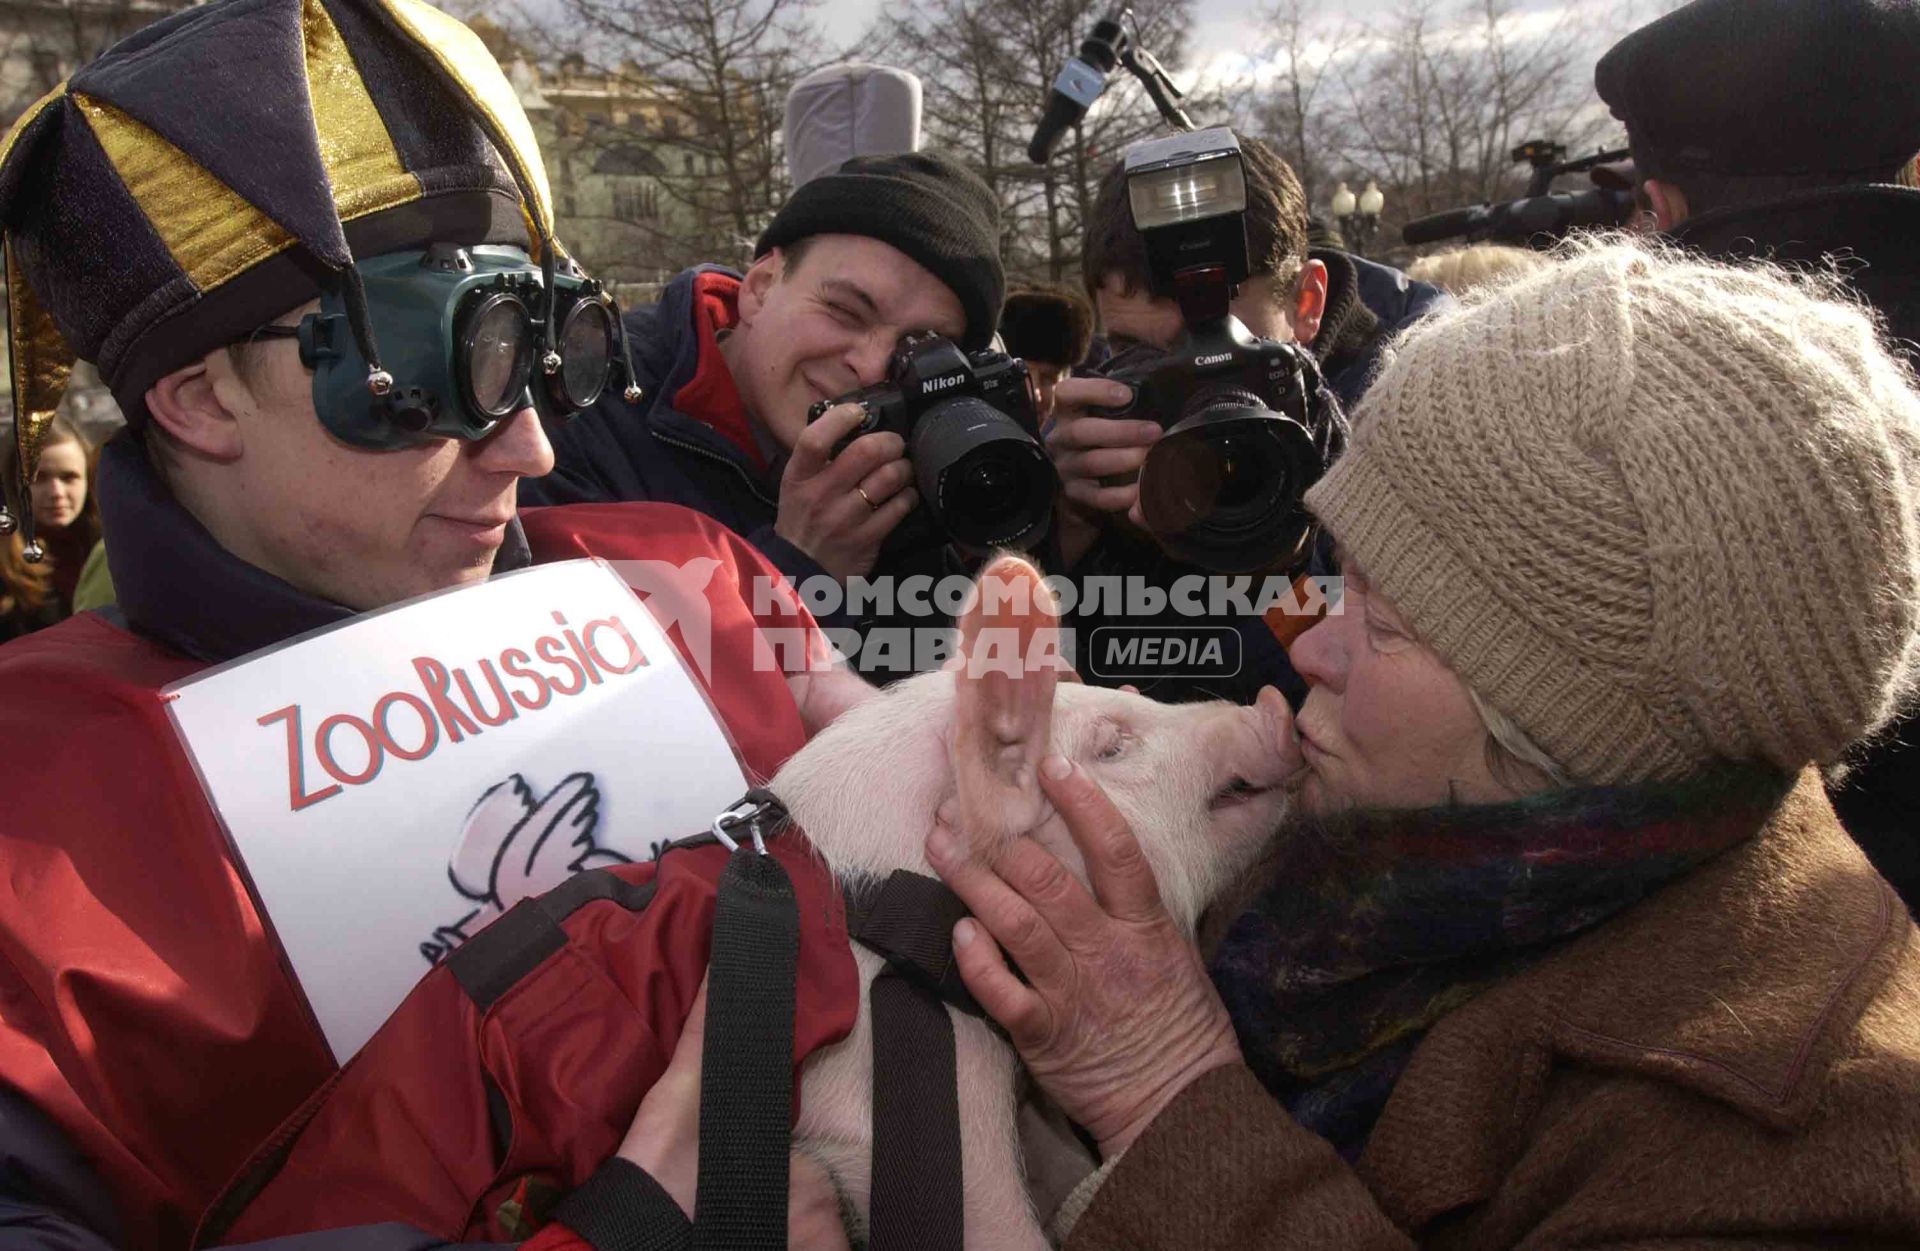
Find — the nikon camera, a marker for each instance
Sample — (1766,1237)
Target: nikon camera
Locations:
(1250,424)
(970,425)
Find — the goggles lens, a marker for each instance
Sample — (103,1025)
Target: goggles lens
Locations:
(497,354)
(586,353)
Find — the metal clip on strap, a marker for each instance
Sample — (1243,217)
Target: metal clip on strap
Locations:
(747,813)
(760,810)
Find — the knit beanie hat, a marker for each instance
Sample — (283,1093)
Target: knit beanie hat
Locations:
(929,207)
(1658,511)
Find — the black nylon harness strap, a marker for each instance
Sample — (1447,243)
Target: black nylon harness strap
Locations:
(490,963)
(622,1208)
(908,918)
(746,1073)
(916,1200)
(746,1085)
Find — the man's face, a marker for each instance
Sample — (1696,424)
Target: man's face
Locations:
(362,528)
(826,326)
(1137,317)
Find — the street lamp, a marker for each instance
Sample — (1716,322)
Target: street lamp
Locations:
(1359,216)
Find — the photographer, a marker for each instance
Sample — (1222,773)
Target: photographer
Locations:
(730,364)
(1740,156)
(1342,307)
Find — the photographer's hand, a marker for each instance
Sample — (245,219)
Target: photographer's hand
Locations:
(838,509)
(1089,450)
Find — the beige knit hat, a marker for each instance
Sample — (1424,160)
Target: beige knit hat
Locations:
(1657,511)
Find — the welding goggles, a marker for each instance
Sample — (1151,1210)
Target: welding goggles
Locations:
(467,338)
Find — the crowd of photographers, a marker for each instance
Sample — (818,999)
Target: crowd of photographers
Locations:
(868,408)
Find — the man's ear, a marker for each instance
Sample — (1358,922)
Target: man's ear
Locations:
(1669,204)
(760,278)
(184,404)
(1309,302)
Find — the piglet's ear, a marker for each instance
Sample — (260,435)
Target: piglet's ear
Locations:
(1004,681)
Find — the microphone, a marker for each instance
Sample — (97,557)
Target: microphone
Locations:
(1517,221)
(1080,83)
(1448,225)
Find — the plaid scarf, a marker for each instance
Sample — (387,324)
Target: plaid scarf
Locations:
(1372,926)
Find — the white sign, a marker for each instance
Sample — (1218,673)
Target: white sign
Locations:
(394,783)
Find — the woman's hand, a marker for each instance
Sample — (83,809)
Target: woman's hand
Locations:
(665,1141)
(1117,1015)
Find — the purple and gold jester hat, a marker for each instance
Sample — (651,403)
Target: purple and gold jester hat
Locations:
(230,162)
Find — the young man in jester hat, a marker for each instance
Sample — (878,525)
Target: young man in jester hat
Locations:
(237,214)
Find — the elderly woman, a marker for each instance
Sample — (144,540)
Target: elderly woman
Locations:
(1564,945)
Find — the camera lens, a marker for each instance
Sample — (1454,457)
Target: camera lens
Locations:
(1239,486)
(1222,488)
(991,484)
(987,482)
(1221,483)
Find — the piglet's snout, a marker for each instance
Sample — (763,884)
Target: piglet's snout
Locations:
(1254,746)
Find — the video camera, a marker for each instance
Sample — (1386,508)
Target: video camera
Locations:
(970,425)
(1249,422)
(1542,211)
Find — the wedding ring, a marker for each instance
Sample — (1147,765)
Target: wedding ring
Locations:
(863,495)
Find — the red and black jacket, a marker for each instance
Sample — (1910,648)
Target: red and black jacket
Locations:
(149,1037)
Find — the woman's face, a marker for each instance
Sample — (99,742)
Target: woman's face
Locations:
(1386,724)
(59,486)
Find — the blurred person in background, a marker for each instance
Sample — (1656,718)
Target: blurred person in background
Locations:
(1459,270)
(1051,328)
(66,522)
(1787,129)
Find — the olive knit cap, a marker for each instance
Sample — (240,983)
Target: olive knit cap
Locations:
(1658,511)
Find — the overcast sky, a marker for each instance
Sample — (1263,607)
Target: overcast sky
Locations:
(1226,30)
(1222,28)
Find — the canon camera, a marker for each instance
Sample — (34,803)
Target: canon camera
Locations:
(1250,424)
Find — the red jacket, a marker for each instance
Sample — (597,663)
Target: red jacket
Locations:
(142,1008)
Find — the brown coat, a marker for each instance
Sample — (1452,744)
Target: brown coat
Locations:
(1733,1063)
